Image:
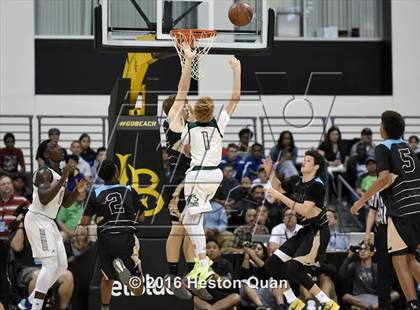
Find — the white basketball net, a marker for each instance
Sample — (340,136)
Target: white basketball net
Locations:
(200,42)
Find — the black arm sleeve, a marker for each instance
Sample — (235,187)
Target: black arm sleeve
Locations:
(382,155)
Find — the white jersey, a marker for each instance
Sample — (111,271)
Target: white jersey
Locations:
(206,140)
(51,209)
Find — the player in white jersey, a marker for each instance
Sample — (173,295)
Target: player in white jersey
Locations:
(205,138)
(45,239)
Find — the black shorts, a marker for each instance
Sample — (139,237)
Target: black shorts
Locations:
(307,246)
(403,237)
(168,191)
(124,246)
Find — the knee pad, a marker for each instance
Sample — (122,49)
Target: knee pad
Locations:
(297,272)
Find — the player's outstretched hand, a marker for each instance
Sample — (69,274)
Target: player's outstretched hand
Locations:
(235,64)
(82,185)
(188,53)
(267,165)
(356,207)
(273,193)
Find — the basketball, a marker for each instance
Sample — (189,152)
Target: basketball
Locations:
(240,14)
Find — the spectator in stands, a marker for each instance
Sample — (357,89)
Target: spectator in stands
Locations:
(26,268)
(74,174)
(334,150)
(69,218)
(364,274)
(253,200)
(282,232)
(82,165)
(366,141)
(263,218)
(285,155)
(100,156)
(253,161)
(223,298)
(245,135)
(11,158)
(245,188)
(19,187)
(87,154)
(243,234)
(365,181)
(356,165)
(80,241)
(339,241)
(263,181)
(54,135)
(215,225)
(414,143)
(232,158)
(229,189)
(9,203)
(256,296)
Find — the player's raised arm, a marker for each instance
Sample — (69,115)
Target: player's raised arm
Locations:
(235,64)
(385,179)
(270,169)
(174,116)
(46,190)
(70,197)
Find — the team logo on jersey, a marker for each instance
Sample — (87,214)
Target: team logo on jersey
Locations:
(192,201)
(152,206)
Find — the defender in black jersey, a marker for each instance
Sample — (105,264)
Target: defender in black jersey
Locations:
(176,109)
(305,195)
(117,211)
(399,184)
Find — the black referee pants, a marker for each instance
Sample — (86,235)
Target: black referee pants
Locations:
(385,268)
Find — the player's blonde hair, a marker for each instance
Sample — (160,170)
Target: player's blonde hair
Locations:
(203,109)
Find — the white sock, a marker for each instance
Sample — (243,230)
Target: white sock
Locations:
(290,296)
(37,304)
(32,296)
(322,297)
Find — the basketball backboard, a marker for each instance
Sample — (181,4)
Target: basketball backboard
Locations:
(144,25)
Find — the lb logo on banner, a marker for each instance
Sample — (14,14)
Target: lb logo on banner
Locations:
(140,178)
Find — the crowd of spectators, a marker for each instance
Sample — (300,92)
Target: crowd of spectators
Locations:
(15,198)
(244,221)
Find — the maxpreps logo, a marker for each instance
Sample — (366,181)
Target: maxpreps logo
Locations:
(153,287)
(137,122)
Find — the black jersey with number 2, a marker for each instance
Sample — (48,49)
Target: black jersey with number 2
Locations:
(402,198)
(116,208)
(313,190)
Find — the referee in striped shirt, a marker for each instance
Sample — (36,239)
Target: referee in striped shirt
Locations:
(377,216)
